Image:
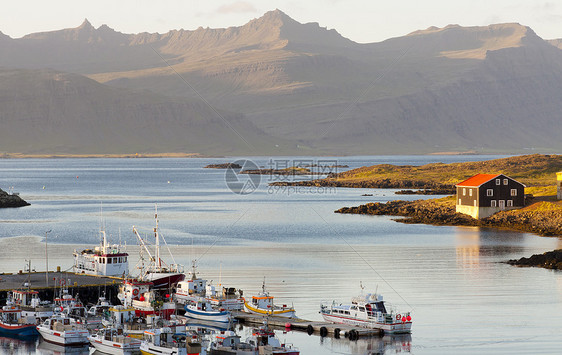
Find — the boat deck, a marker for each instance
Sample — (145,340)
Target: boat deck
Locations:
(321,328)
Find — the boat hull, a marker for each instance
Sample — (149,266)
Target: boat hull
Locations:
(18,329)
(287,313)
(64,338)
(164,280)
(388,328)
(219,317)
(117,348)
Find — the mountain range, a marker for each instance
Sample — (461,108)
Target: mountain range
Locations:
(276,86)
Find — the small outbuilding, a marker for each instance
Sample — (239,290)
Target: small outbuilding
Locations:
(485,194)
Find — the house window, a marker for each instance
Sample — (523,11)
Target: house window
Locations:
(505,181)
(498,182)
(475,205)
(493,203)
(489,192)
(460,202)
(513,192)
(463,191)
(509,203)
(470,192)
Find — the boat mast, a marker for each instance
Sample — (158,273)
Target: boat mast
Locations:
(157,254)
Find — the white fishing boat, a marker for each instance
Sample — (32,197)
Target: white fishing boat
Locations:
(62,330)
(193,288)
(263,304)
(368,311)
(113,341)
(103,260)
(264,341)
(161,274)
(31,305)
(203,310)
(165,341)
(145,300)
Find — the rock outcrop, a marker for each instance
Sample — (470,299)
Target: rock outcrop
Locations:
(11,200)
(548,260)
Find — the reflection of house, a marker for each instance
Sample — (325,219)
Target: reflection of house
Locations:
(485,194)
(558,187)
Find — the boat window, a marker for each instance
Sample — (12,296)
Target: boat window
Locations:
(380,307)
(362,309)
(124,259)
(353,308)
(109,260)
(346,312)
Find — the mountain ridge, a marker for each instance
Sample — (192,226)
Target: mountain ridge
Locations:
(307,89)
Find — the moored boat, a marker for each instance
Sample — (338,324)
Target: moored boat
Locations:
(168,341)
(104,260)
(203,310)
(62,330)
(368,311)
(31,305)
(264,341)
(113,341)
(263,304)
(158,272)
(13,323)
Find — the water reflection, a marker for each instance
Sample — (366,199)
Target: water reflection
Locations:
(389,344)
(18,345)
(47,348)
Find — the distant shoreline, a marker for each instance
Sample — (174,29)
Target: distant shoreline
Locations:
(132,155)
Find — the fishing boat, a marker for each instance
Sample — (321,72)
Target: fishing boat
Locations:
(368,311)
(264,341)
(31,305)
(227,343)
(161,274)
(263,304)
(168,341)
(14,324)
(113,341)
(62,330)
(202,309)
(193,288)
(103,260)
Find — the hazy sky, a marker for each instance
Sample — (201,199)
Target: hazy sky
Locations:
(358,20)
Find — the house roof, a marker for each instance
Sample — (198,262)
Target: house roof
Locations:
(478,180)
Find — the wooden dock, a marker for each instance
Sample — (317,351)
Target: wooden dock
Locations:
(88,287)
(311,327)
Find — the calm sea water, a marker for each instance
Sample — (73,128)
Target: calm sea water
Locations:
(462,297)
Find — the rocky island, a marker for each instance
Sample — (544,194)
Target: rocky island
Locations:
(11,200)
(223,166)
(549,260)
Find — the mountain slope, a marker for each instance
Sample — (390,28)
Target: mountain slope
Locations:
(45,111)
(494,88)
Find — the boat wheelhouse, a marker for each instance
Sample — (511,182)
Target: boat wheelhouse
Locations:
(367,311)
(113,341)
(203,310)
(105,260)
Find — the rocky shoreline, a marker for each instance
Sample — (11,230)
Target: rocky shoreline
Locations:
(549,260)
(7,200)
(223,166)
(423,186)
(538,218)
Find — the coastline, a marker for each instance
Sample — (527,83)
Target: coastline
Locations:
(541,218)
(131,155)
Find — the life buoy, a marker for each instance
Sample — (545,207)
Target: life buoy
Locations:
(63,282)
(398,317)
(135,292)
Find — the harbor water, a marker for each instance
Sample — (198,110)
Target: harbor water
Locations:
(462,297)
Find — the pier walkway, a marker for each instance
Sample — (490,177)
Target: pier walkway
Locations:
(311,327)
